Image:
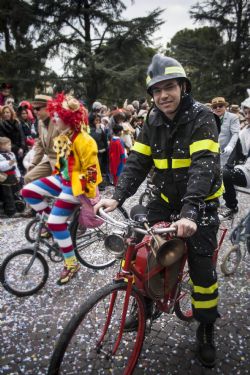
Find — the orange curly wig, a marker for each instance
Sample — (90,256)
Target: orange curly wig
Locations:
(69,110)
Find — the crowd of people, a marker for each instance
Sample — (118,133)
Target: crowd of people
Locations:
(30,130)
(115,131)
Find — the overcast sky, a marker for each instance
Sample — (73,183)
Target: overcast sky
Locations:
(175,15)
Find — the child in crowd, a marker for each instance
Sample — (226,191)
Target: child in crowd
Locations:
(9,176)
(77,174)
(116,153)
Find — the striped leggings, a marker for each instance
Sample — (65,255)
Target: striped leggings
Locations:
(35,194)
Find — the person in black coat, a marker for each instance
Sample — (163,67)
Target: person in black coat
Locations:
(100,137)
(26,125)
(10,128)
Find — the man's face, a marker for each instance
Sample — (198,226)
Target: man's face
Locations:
(219,109)
(41,112)
(247,114)
(167,96)
(6,92)
(10,102)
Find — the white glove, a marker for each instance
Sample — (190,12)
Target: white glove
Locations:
(228,150)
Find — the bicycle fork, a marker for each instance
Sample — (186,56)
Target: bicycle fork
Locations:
(36,246)
(123,318)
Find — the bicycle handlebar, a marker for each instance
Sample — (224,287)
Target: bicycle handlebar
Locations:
(134,224)
(105,215)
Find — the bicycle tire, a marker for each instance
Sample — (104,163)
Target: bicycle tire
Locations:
(228,259)
(29,229)
(89,244)
(7,278)
(183,308)
(144,199)
(94,320)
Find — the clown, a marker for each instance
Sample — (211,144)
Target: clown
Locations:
(77,173)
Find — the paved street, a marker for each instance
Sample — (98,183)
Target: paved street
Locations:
(31,325)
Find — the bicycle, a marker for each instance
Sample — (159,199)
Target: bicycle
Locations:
(239,239)
(25,272)
(95,338)
(240,243)
(96,257)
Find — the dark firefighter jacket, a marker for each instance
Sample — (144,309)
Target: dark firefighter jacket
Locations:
(185,153)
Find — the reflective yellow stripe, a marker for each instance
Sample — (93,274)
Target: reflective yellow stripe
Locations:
(175,69)
(210,290)
(181,163)
(164,198)
(176,163)
(217,194)
(205,304)
(205,144)
(170,70)
(142,149)
(161,163)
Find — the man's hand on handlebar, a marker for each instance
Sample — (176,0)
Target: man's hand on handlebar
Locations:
(185,227)
(107,204)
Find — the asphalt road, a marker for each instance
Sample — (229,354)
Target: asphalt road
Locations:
(31,325)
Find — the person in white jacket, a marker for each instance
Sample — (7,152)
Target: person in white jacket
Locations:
(237,169)
(230,127)
(9,176)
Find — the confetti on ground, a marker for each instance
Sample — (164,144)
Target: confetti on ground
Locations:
(31,325)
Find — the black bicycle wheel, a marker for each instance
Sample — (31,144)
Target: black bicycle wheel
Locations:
(86,345)
(18,279)
(144,199)
(231,260)
(89,243)
(183,306)
(31,230)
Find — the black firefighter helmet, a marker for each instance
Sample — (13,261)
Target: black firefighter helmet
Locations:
(163,68)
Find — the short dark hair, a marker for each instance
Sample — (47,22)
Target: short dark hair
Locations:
(117,129)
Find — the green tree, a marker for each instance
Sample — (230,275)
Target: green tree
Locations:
(232,20)
(202,53)
(103,53)
(22,62)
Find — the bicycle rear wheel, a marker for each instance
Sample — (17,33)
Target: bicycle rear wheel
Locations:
(31,230)
(89,243)
(183,307)
(231,260)
(22,275)
(86,344)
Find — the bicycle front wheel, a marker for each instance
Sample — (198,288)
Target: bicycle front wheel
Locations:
(89,243)
(231,260)
(144,199)
(87,343)
(23,275)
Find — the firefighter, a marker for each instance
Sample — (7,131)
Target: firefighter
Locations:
(180,139)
